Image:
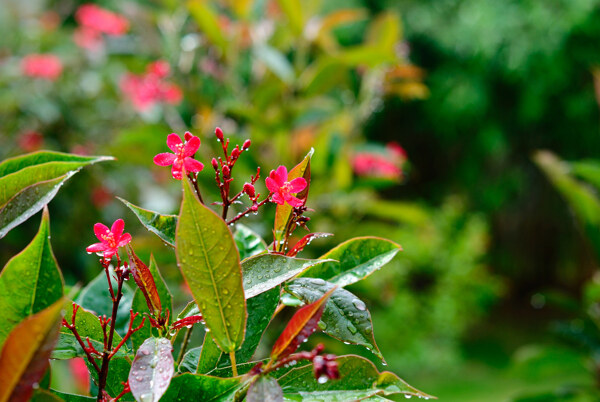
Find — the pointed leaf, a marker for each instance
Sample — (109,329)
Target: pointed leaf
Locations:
(201,388)
(248,242)
(264,389)
(143,278)
(151,370)
(265,271)
(24,357)
(355,260)
(300,327)
(29,182)
(210,263)
(305,241)
(359,379)
(161,225)
(189,363)
(345,317)
(30,281)
(283,213)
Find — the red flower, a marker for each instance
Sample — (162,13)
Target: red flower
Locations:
(146,90)
(182,156)
(97,18)
(46,66)
(282,189)
(110,239)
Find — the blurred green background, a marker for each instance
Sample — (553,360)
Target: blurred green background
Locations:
(425,117)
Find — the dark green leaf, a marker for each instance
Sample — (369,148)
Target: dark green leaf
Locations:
(151,370)
(189,363)
(210,264)
(265,271)
(30,281)
(345,317)
(248,242)
(201,388)
(264,389)
(161,225)
(355,259)
(209,355)
(43,395)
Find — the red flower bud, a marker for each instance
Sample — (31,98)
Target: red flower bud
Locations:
(235,153)
(215,164)
(188,136)
(249,189)
(226,170)
(219,134)
(246,145)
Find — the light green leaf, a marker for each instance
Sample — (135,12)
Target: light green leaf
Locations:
(161,225)
(189,363)
(201,388)
(355,260)
(210,263)
(30,281)
(275,61)
(248,242)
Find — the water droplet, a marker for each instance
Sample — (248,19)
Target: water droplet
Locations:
(322,325)
(146,352)
(407,396)
(225,291)
(191,252)
(359,304)
(318,281)
(322,379)
(139,378)
(352,329)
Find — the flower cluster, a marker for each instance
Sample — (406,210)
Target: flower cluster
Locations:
(95,21)
(182,156)
(148,89)
(44,66)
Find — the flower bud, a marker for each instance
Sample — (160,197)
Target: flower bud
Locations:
(215,164)
(249,189)
(254,208)
(187,136)
(235,153)
(246,145)
(219,134)
(226,171)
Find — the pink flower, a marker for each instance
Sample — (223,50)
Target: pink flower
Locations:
(110,239)
(282,189)
(88,38)
(182,156)
(93,17)
(45,66)
(146,90)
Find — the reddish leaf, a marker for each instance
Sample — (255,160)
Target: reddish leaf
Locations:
(143,278)
(305,241)
(151,370)
(24,357)
(187,321)
(300,327)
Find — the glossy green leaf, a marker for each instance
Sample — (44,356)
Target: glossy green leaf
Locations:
(72,397)
(24,356)
(30,281)
(95,297)
(265,271)
(210,263)
(29,182)
(201,388)
(227,371)
(210,354)
(359,379)
(161,225)
(207,21)
(248,242)
(264,389)
(151,370)
(190,309)
(189,363)
(118,372)
(283,213)
(345,317)
(355,259)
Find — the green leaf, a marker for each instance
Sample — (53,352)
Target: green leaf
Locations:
(248,242)
(260,311)
(189,363)
(161,225)
(207,21)
(210,354)
(588,170)
(30,281)
(29,182)
(189,310)
(242,368)
(43,395)
(345,317)
(118,372)
(210,264)
(96,298)
(294,12)
(25,354)
(275,61)
(359,379)
(151,370)
(355,260)
(264,389)
(72,397)
(265,271)
(201,388)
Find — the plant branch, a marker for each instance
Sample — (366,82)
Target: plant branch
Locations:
(73,329)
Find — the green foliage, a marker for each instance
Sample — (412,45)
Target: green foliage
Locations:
(162,225)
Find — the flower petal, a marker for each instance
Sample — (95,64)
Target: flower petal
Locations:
(272,185)
(293,201)
(125,239)
(117,228)
(176,169)
(192,165)
(277,198)
(101,230)
(297,185)
(164,159)
(191,146)
(173,140)
(110,252)
(96,247)
(282,173)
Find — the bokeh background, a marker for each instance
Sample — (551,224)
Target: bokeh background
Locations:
(465,130)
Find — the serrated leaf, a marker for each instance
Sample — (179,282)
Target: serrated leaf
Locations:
(355,259)
(345,317)
(145,281)
(201,388)
(29,182)
(264,389)
(248,242)
(359,379)
(210,263)
(25,354)
(302,324)
(265,271)
(151,370)
(283,213)
(30,281)
(161,225)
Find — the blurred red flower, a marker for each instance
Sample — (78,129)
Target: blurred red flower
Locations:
(146,90)
(45,66)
